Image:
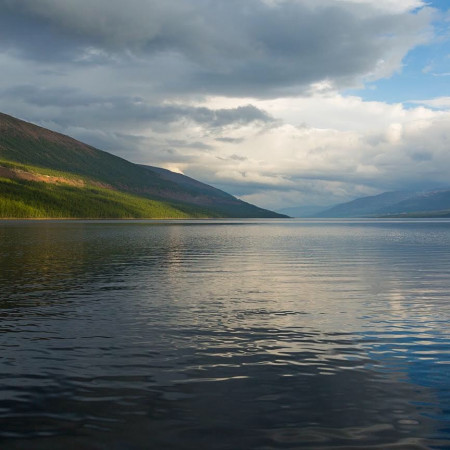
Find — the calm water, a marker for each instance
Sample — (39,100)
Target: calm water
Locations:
(224,335)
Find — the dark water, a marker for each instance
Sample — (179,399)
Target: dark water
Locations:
(224,335)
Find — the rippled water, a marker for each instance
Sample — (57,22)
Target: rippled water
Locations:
(224,335)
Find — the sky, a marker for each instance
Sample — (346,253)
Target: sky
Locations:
(282,103)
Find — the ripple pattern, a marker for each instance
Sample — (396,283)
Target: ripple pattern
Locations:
(276,334)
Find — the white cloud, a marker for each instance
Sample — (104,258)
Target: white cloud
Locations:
(349,147)
(439,102)
(398,6)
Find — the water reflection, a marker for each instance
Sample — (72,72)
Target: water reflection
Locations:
(225,336)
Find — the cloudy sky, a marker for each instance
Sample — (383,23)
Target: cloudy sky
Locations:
(280,102)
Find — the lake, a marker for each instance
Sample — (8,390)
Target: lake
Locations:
(233,334)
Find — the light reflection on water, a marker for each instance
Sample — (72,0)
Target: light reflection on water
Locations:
(224,334)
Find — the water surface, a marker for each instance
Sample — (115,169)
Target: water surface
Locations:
(276,334)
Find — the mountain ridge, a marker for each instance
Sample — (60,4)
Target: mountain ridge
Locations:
(40,153)
(432,203)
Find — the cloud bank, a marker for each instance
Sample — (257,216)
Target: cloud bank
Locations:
(246,95)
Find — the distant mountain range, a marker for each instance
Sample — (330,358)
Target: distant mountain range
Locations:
(47,174)
(302,211)
(435,203)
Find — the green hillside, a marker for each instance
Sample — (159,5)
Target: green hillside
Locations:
(71,179)
(74,197)
(27,199)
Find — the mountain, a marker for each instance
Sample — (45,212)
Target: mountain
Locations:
(365,206)
(47,174)
(301,211)
(435,203)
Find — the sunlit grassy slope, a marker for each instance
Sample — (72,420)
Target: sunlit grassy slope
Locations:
(110,186)
(29,199)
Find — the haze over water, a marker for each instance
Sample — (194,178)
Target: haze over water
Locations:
(252,334)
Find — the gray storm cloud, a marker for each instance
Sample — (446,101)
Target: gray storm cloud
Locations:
(231,47)
(120,110)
